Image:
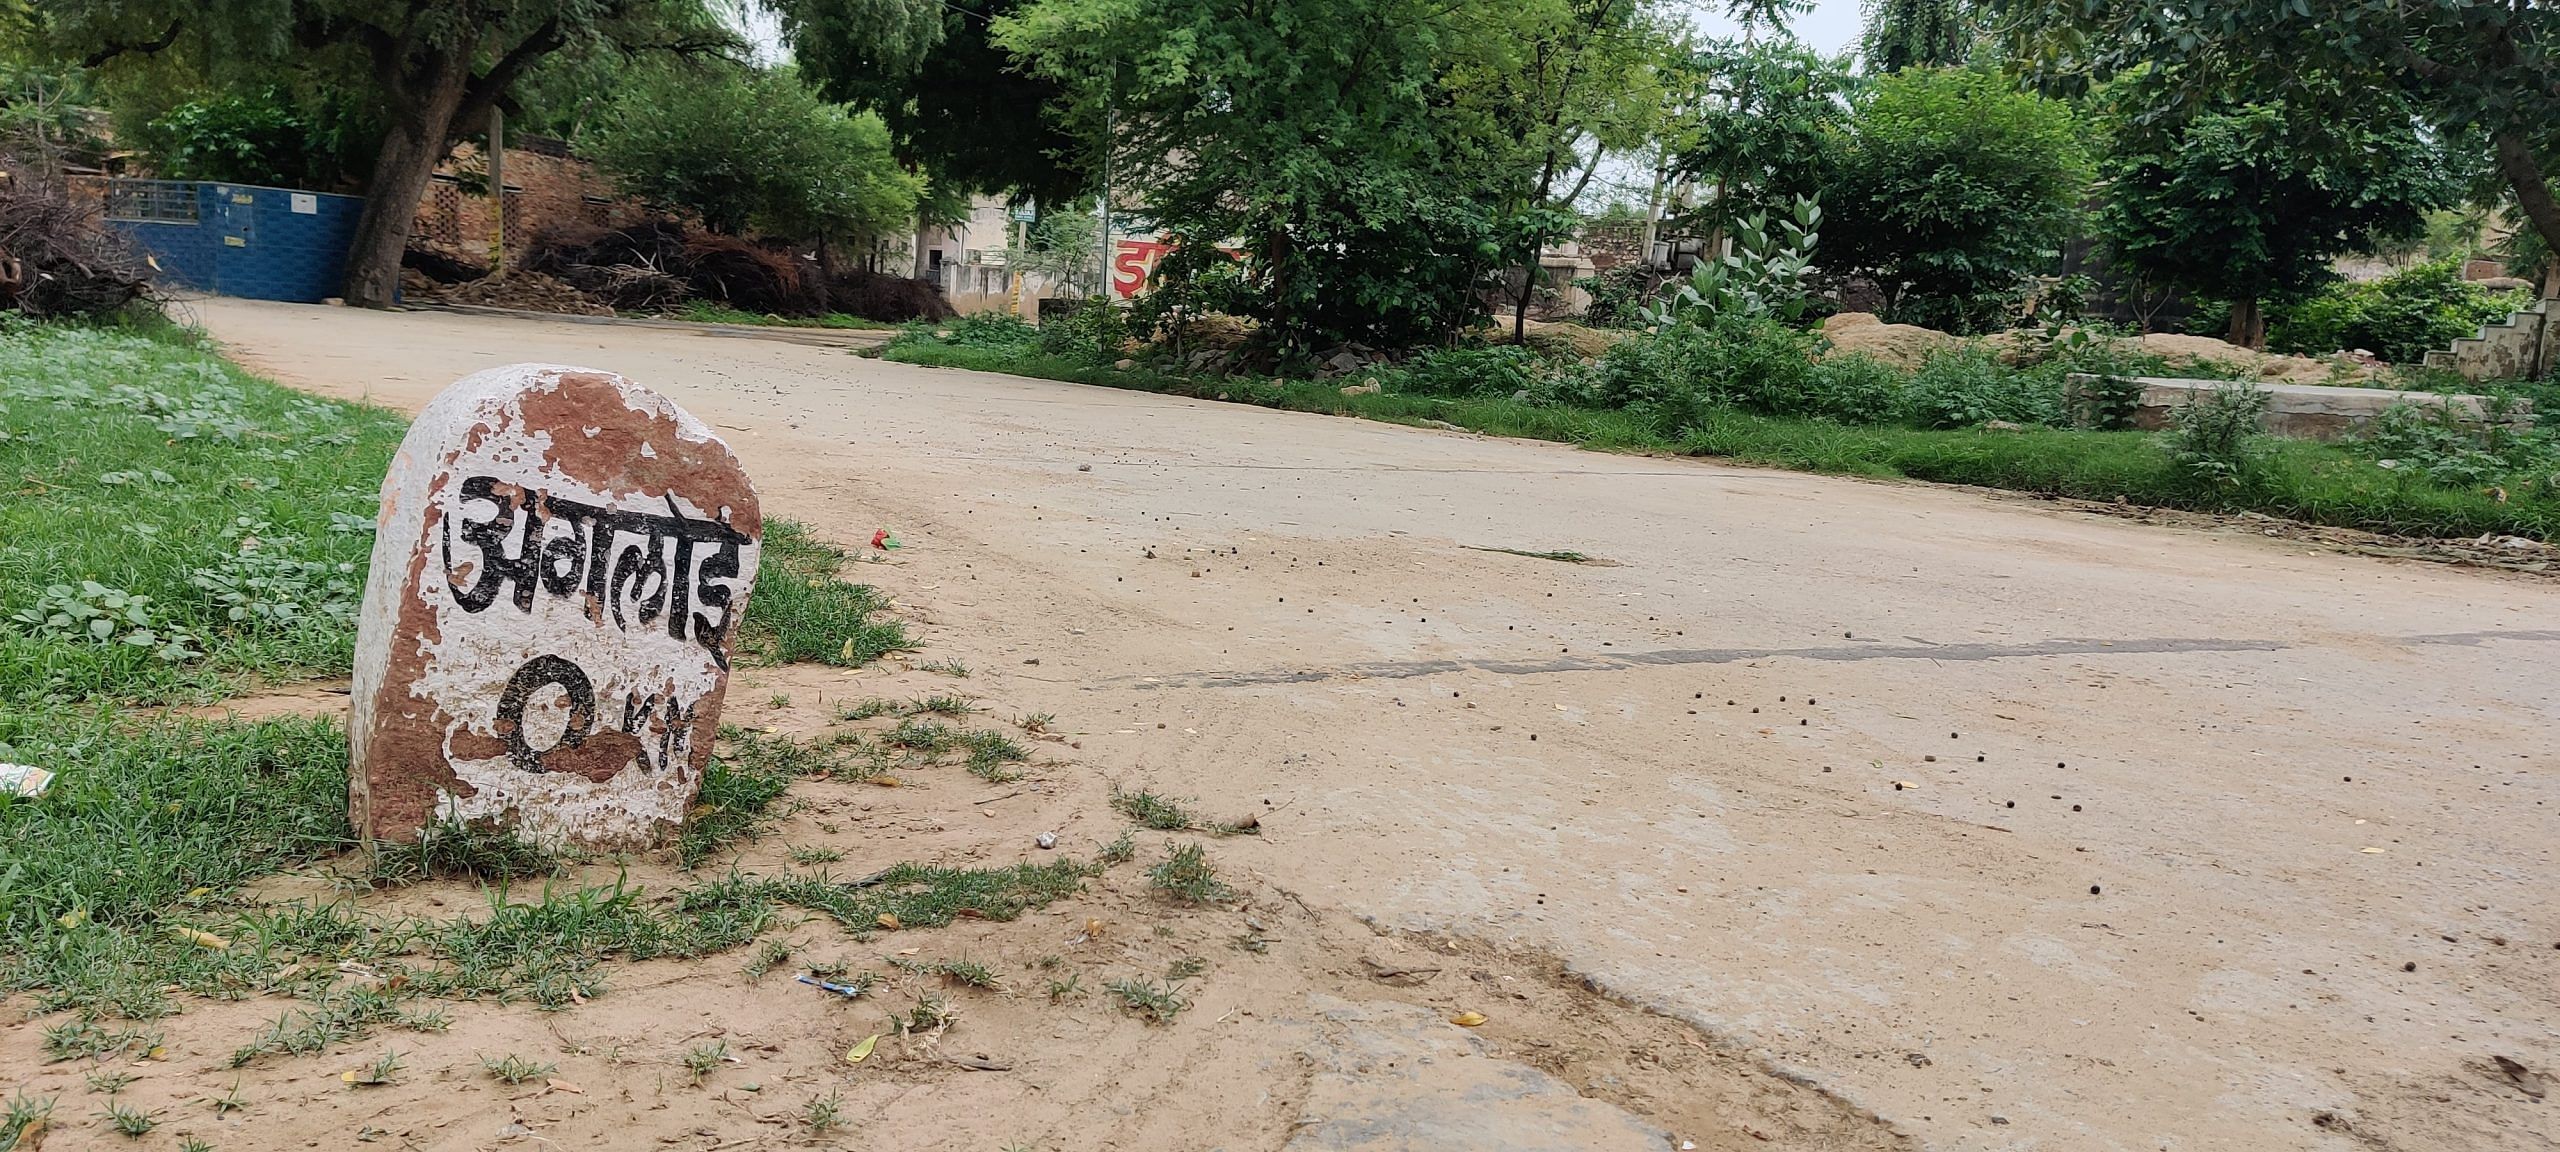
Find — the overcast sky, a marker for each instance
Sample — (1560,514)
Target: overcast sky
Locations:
(1831,26)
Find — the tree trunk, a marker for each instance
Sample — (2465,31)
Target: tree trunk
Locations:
(922,227)
(2248,324)
(1528,292)
(2533,195)
(411,147)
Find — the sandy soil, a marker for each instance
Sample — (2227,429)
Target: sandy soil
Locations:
(2012,827)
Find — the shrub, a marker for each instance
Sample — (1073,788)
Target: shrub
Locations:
(1616,297)
(1493,370)
(1966,387)
(2215,436)
(992,329)
(1094,329)
(1674,375)
(2436,441)
(1855,389)
(2398,318)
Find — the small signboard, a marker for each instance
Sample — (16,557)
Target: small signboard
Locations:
(306,203)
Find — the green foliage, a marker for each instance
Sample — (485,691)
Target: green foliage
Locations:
(2440,443)
(1679,375)
(1953,189)
(1968,387)
(992,329)
(1473,370)
(1617,297)
(2474,73)
(2313,482)
(173,523)
(1095,327)
(800,612)
(1903,34)
(2249,202)
(2399,317)
(259,136)
(1325,138)
(1854,389)
(1762,278)
(754,148)
(1756,123)
(1186,875)
(2215,436)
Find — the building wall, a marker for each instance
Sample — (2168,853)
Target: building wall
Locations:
(546,188)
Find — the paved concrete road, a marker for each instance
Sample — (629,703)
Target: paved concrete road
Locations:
(2024,828)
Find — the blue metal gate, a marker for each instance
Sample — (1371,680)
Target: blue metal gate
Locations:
(240,239)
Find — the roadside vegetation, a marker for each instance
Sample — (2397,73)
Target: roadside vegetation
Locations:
(706,312)
(1755,390)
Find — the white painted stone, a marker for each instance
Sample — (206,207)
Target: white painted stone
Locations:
(474,640)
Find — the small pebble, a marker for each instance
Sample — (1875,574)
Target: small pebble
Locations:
(2075,807)
(2093,889)
(1929,759)
(2412,966)
(2013,804)
(1045,840)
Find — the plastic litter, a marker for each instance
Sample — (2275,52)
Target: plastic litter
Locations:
(848,991)
(883,541)
(24,781)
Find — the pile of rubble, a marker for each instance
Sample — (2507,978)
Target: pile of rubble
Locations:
(523,291)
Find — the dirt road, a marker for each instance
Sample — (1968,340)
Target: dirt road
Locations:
(2021,828)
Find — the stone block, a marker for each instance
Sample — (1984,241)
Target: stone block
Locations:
(558,574)
(2299,411)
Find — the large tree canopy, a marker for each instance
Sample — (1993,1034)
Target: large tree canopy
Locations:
(431,68)
(743,147)
(2474,71)
(1952,189)
(2253,202)
(952,99)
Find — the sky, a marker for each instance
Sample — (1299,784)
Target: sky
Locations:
(1831,26)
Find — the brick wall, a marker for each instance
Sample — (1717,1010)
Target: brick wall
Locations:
(546,187)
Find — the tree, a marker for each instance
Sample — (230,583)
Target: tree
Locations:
(1952,189)
(2252,202)
(1760,124)
(434,67)
(1555,86)
(754,148)
(2483,71)
(1903,34)
(1317,135)
(954,104)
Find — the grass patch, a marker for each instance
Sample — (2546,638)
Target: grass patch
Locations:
(451,850)
(516,1069)
(802,613)
(705,312)
(1152,1002)
(991,753)
(173,525)
(1165,814)
(1186,875)
(1559,557)
(2313,482)
(924,895)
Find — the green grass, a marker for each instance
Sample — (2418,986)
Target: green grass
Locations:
(1186,875)
(2312,482)
(705,312)
(801,612)
(515,1069)
(140,464)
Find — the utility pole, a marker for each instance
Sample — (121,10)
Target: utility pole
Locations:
(498,190)
(1104,288)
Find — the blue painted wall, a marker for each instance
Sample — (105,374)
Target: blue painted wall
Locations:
(261,243)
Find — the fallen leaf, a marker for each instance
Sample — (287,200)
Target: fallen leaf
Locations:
(565,1086)
(889,921)
(885,781)
(199,937)
(2373,851)
(1467,1019)
(862,1051)
(73,918)
(30,1137)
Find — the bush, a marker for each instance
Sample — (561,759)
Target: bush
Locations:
(1855,389)
(1674,376)
(2398,318)
(1967,387)
(2437,442)
(993,329)
(1495,370)
(1095,329)
(896,299)
(1615,295)
(2215,437)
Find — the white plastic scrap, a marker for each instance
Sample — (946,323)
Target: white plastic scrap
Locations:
(24,781)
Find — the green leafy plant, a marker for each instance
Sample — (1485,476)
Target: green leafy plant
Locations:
(1968,387)
(1186,875)
(2215,436)
(1152,1002)
(1762,278)
(513,1069)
